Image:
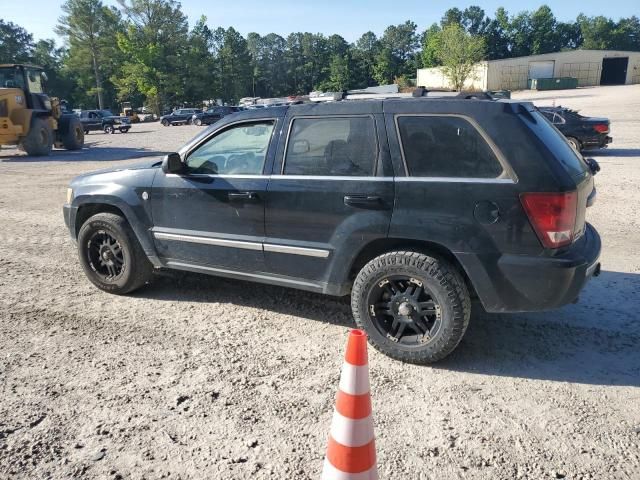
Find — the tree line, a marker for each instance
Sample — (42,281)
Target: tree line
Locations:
(144,52)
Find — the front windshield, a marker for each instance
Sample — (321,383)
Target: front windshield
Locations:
(11,77)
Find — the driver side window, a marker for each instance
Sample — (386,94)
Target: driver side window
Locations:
(238,150)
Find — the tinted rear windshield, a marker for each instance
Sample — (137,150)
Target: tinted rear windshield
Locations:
(551,136)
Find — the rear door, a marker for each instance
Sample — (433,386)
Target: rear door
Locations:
(331,192)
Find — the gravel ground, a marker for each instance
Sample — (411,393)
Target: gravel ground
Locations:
(199,377)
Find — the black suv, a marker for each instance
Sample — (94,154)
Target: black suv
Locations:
(212,115)
(413,206)
(582,132)
(103,120)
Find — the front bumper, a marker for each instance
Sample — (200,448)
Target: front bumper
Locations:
(69,212)
(520,283)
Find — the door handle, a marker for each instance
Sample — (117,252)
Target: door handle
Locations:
(243,196)
(363,201)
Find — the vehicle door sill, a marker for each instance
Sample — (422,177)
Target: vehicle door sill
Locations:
(260,277)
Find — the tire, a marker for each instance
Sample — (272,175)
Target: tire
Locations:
(124,130)
(442,305)
(197,122)
(130,269)
(575,143)
(189,121)
(73,138)
(165,123)
(39,141)
(108,129)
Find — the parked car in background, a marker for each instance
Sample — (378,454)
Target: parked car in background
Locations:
(179,117)
(213,114)
(412,206)
(104,120)
(582,132)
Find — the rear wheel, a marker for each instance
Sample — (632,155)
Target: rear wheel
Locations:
(108,129)
(415,308)
(165,123)
(124,130)
(111,256)
(39,141)
(197,122)
(575,143)
(73,138)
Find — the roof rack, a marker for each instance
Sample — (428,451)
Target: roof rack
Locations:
(392,91)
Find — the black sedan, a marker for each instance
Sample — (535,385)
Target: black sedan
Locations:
(582,132)
(179,117)
(213,114)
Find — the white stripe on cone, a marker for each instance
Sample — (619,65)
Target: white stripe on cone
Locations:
(329,472)
(349,432)
(354,379)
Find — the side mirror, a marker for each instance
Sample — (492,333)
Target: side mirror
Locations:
(593,165)
(172,163)
(300,146)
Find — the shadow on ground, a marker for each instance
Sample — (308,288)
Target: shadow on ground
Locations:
(613,152)
(596,341)
(91,153)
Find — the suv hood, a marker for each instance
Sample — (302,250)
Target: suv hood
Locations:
(152,163)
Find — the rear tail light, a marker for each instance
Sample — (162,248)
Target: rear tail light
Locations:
(601,128)
(552,215)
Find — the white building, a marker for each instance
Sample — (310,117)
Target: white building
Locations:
(590,67)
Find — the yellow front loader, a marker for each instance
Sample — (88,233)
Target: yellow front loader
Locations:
(30,118)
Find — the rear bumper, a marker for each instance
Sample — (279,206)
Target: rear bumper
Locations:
(518,283)
(598,142)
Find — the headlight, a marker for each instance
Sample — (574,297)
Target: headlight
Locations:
(69,195)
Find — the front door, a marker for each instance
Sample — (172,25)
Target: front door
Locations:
(330,196)
(213,213)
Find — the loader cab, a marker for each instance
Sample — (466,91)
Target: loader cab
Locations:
(31,80)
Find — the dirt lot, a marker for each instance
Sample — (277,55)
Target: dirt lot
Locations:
(193,377)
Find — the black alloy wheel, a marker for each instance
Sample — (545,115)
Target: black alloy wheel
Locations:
(414,307)
(404,311)
(105,256)
(111,255)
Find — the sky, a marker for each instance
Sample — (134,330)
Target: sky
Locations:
(347,18)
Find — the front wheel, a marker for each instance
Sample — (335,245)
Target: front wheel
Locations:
(414,308)
(197,122)
(108,129)
(111,256)
(124,130)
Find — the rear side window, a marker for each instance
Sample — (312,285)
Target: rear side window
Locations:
(446,146)
(339,146)
(556,143)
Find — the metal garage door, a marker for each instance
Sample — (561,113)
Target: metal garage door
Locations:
(541,69)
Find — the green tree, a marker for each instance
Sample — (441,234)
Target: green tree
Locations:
(431,46)
(155,43)
(459,52)
(235,66)
(16,44)
(90,30)
(544,31)
(364,56)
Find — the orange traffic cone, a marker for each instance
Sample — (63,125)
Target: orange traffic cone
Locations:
(351,452)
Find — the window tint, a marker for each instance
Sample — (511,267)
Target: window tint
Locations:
(444,146)
(558,145)
(339,146)
(240,150)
